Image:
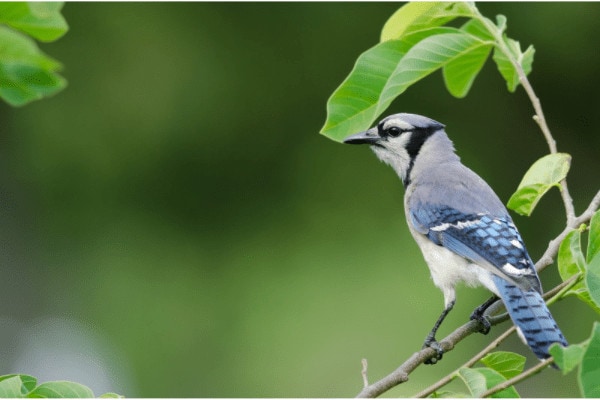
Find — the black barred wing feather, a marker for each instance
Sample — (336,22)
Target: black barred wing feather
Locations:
(490,241)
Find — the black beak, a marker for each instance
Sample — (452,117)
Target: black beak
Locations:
(367,137)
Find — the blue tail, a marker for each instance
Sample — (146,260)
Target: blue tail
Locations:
(534,322)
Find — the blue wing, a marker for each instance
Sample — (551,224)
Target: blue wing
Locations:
(494,243)
(490,241)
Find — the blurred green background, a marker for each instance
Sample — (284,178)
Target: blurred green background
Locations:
(173,225)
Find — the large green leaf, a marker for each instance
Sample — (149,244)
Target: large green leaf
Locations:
(478,380)
(417,15)
(593,248)
(42,20)
(61,389)
(589,373)
(572,262)
(506,363)
(545,173)
(567,358)
(11,387)
(353,105)
(425,57)
(592,280)
(28,382)
(26,73)
(460,73)
(570,256)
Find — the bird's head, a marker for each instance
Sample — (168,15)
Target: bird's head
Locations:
(397,140)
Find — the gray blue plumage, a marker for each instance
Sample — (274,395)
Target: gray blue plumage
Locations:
(463,229)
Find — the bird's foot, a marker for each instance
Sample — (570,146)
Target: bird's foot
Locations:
(484,322)
(432,343)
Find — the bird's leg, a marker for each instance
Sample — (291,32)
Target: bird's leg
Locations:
(430,339)
(477,315)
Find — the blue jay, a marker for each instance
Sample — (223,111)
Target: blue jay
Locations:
(464,231)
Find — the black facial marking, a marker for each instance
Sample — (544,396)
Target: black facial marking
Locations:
(417,138)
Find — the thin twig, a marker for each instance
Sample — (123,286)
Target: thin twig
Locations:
(522,376)
(363,372)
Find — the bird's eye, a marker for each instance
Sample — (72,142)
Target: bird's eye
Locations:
(394,131)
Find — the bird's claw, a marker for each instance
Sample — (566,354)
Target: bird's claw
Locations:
(432,343)
(483,321)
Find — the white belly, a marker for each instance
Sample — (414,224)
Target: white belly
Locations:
(448,269)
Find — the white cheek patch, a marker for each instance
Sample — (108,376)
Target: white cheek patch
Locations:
(393,152)
(400,123)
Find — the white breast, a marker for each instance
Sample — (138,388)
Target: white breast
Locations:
(448,269)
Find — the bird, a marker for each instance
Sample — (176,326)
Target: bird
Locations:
(462,228)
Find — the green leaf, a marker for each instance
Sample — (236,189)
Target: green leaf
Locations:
(353,105)
(506,67)
(111,395)
(506,363)
(460,73)
(11,387)
(592,280)
(501,23)
(425,57)
(28,382)
(546,172)
(26,73)
(593,248)
(42,20)
(571,262)
(416,16)
(478,380)
(61,389)
(567,358)
(589,373)
(570,257)
(584,295)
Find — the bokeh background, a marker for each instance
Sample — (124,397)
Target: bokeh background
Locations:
(172,224)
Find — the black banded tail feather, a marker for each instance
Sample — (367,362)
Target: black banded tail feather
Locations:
(533,320)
